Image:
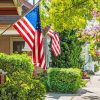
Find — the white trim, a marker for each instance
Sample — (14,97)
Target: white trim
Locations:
(9,32)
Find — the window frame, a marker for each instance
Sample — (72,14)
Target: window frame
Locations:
(12,39)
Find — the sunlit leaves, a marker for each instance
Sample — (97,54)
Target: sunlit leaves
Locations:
(68,14)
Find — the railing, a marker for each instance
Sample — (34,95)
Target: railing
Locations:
(17,3)
(18,6)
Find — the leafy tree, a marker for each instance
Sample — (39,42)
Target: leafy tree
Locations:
(67,14)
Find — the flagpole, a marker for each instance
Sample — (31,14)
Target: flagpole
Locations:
(19,18)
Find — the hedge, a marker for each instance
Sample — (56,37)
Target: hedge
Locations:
(15,62)
(20,84)
(33,91)
(64,80)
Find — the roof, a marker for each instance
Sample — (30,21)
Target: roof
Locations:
(8,18)
(9,13)
(10,31)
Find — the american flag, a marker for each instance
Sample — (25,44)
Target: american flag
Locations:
(29,28)
(55,45)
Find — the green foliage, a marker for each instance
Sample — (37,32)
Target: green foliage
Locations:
(37,91)
(30,91)
(64,80)
(96,67)
(67,14)
(43,77)
(70,51)
(20,84)
(84,82)
(15,62)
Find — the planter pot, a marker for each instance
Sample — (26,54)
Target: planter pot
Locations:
(85,75)
(2,76)
(98,39)
(97,52)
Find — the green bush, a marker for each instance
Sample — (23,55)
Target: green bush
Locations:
(43,77)
(70,56)
(9,91)
(37,91)
(20,84)
(15,62)
(33,91)
(96,68)
(64,80)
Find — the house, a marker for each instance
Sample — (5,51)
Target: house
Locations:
(10,41)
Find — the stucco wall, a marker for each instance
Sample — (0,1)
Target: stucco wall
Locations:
(5,44)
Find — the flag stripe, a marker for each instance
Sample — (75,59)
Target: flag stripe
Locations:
(22,34)
(22,26)
(58,41)
(28,24)
(55,45)
(54,51)
(30,33)
(53,36)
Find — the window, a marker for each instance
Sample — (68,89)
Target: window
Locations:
(16,44)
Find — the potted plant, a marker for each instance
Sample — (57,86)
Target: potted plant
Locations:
(97,49)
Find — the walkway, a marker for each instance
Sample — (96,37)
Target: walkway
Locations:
(90,92)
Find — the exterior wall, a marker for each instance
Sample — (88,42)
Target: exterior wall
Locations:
(5,44)
(8,15)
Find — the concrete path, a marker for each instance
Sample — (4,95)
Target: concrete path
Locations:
(90,92)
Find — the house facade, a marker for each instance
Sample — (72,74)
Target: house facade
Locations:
(10,41)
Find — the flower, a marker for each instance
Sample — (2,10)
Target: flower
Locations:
(92,27)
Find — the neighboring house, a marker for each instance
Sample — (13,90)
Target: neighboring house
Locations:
(10,41)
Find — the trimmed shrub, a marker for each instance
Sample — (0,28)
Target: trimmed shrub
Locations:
(64,80)
(37,91)
(20,84)
(43,77)
(15,62)
(33,91)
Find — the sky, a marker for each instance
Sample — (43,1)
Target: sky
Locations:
(31,1)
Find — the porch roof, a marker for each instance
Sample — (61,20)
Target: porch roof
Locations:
(10,31)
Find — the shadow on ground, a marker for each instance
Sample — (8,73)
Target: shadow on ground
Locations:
(91,97)
(57,96)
